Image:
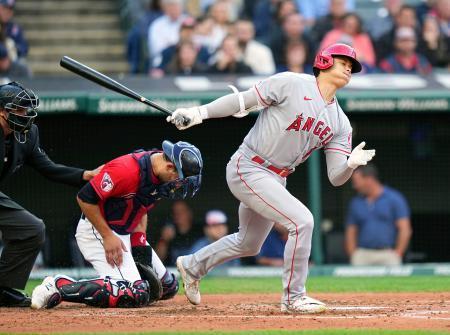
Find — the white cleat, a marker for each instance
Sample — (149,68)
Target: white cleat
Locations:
(304,305)
(45,295)
(190,285)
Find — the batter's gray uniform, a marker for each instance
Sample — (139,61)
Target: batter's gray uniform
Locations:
(295,121)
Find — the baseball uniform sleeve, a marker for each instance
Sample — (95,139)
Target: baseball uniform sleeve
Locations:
(342,139)
(111,181)
(274,90)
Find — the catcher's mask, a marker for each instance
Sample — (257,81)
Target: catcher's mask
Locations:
(189,164)
(21,104)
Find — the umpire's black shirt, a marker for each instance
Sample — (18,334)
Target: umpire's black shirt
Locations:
(14,154)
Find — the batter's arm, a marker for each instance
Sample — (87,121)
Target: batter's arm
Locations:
(337,168)
(222,107)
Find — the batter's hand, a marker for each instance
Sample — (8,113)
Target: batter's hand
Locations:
(113,250)
(359,156)
(89,174)
(193,114)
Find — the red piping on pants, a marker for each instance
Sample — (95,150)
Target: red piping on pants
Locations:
(296,227)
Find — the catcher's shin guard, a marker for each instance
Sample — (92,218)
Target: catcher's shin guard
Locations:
(105,292)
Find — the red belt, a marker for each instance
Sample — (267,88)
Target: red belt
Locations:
(281,172)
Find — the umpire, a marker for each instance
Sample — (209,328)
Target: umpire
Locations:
(23,233)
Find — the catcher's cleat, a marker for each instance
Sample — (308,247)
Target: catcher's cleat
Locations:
(45,295)
(304,305)
(190,285)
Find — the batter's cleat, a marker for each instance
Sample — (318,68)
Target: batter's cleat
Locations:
(45,295)
(190,285)
(304,305)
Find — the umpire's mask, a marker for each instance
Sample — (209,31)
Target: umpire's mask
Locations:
(21,104)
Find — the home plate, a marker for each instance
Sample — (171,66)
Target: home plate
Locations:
(355,308)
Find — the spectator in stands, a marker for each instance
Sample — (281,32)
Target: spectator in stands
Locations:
(296,55)
(337,10)
(229,59)
(378,227)
(11,70)
(442,9)
(11,29)
(164,31)
(405,59)
(423,9)
(178,235)
(216,227)
(315,9)
(249,8)
(234,7)
(437,44)
(351,33)
(186,35)
(272,251)
(185,61)
(269,16)
(293,31)
(406,17)
(256,55)
(137,39)
(215,27)
(384,21)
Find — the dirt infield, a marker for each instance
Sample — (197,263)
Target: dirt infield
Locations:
(430,311)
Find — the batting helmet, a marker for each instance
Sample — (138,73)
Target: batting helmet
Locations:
(15,98)
(324,59)
(189,164)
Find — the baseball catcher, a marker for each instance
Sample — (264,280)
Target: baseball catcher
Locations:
(111,233)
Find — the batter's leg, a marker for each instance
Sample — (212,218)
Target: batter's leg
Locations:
(253,230)
(266,194)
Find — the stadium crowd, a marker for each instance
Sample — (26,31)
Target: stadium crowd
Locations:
(13,45)
(263,37)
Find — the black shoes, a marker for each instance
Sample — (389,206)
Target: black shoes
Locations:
(10,297)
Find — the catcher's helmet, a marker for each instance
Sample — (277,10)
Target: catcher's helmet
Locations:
(189,164)
(324,59)
(16,99)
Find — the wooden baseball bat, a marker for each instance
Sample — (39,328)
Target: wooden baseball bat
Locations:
(109,83)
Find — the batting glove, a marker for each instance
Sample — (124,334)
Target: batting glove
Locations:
(359,156)
(184,118)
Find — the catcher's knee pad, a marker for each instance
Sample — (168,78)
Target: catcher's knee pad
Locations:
(106,292)
(170,286)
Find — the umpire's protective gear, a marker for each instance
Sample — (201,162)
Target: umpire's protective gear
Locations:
(14,98)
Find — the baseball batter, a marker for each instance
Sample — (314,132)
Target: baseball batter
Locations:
(300,114)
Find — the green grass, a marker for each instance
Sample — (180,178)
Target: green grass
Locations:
(221,285)
(282,332)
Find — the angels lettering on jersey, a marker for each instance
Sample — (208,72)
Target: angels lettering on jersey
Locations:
(321,130)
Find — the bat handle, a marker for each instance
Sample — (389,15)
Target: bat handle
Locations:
(182,120)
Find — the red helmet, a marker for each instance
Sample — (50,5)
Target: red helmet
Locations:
(324,59)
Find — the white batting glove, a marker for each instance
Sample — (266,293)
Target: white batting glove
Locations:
(192,115)
(359,156)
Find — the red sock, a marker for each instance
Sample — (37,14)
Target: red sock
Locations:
(138,239)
